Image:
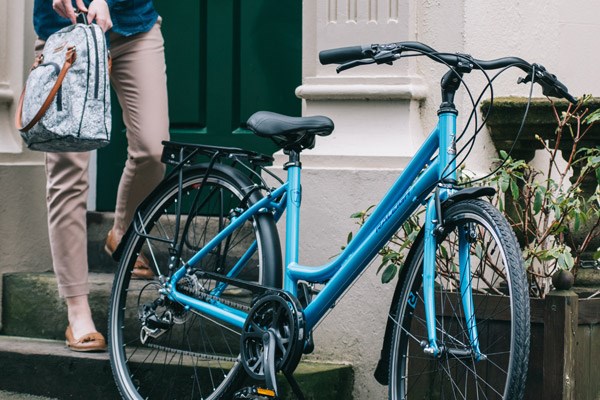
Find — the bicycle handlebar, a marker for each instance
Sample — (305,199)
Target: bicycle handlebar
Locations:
(354,56)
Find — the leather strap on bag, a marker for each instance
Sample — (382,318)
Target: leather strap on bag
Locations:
(70,57)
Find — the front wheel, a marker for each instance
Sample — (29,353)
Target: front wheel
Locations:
(162,349)
(501,314)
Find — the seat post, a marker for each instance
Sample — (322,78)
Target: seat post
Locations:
(294,200)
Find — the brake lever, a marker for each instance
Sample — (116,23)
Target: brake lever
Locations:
(551,86)
(352,64)
(386,57)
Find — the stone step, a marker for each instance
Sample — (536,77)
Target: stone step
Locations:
(47,368)
(32,308)
(32,346)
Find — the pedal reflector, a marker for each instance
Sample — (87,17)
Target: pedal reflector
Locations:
(265,392)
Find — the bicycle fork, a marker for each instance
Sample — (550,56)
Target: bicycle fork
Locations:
(466,237)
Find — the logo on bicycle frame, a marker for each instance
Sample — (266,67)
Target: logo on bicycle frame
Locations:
(452,148)
(297,197)
(393,210)
(412,300)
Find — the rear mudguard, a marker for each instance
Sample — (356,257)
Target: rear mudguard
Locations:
(382,371)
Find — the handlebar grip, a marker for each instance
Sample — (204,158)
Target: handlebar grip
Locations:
(343,54)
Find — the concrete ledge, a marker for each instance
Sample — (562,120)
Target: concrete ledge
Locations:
(363,88)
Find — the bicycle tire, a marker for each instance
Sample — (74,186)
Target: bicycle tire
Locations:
(501,305)
(195,356)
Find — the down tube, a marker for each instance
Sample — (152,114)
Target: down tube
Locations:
(370,246)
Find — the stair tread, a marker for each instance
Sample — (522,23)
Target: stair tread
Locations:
(56,372)
(43,347)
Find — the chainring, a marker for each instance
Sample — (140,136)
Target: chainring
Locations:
(280,313)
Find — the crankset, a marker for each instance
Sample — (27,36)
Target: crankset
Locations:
(273,339)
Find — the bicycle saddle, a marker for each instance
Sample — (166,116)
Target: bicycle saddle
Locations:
(290,133)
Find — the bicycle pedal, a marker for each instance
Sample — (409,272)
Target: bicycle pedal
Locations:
(255,393)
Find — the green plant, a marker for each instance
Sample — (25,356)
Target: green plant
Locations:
(555,210)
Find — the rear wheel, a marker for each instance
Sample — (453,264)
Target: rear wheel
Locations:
(160,349)
(501,308)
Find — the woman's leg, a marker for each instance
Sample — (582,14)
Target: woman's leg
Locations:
(139,79)
(67,188)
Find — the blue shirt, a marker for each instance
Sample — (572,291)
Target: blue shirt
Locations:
(128,16)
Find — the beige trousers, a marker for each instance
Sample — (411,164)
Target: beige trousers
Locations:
(139,79)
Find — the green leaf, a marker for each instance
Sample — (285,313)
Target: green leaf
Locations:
(537,201)
(389,257)
(357,214)
(503,154)
(593,117)
(444,252)
(569,261)
(565,259)
(514,188)
(547,255)
(557,212)
(349,238)
(504,180)
(389,273)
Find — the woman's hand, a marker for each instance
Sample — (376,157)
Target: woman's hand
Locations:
(98,11)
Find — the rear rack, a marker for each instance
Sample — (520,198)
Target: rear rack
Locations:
(182,155)
(176,153)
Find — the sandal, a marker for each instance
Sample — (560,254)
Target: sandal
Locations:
(141,268)
(93,341)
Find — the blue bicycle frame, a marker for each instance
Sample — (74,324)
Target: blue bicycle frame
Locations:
(410,190)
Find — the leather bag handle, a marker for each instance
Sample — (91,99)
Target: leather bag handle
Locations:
(70,58)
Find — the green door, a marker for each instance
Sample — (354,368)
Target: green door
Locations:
(226,59)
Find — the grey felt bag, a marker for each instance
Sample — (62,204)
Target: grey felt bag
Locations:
(65,105)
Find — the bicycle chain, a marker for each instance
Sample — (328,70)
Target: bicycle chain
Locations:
(190,289)
(230,303)
(192,354)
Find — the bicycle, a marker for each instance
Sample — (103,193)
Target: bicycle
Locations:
(225,311)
